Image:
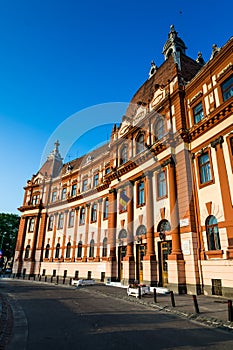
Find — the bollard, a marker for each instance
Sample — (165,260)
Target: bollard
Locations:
(230,311)
(64,280)
(57,279)
(172,299)
(29,276)
(195,304)
(51,279)
(34,276)
(39,277)
(139,293)
(71,280)
(45,279)
(155,295)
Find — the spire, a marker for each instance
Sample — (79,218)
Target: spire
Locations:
(55,154)
(174,45)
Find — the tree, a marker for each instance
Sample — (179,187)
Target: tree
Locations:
(9,224)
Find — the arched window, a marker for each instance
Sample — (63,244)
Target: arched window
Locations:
(80,246)
(141,230)
(27,251)
(124,155)
(159,128)
(50,224)
(163,226)
(122,234)
(47,251)
(68,250)
(105,245)
(212,233)
(140,146)
(57,251)
(92,246)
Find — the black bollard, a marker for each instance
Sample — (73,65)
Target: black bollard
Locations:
(195,304)
(139,293)
(230,311)
(172,298)
(45,279)
(155,295)
(64,280)
(51,279)
(71,280)
(57,279)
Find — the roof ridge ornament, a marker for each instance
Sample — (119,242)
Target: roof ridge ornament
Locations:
(174,45)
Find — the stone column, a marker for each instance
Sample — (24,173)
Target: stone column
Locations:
(128,262)
(149,260)
(87,215)
(20,245)
(75,233)
(112,221)
(100,201)
(63,252)
(225,193)
(176,264)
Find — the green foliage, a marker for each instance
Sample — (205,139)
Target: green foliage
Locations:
(9,224)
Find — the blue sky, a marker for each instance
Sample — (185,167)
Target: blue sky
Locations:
(61,57)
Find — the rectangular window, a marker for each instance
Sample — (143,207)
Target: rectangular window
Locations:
(31,225)
(227,88)
(204,168)
(107,170)
(198,113)
(74,190)
(94,213)
(96,180)
(63,194)
(71,219)
(141,193)
(82,216)
(106,208)
(54,196)
(85,185)
(35,199)
(50,224)
(60,221)
(161,184)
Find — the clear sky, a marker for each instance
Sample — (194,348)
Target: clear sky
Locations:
(59,57)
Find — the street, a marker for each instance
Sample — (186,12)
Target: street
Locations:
(66,318)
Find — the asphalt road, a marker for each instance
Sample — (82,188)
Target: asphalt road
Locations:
(65,318)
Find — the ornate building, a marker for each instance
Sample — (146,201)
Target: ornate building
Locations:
(155,203)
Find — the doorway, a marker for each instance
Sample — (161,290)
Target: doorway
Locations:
(140,253)
(165,248)
(121,255)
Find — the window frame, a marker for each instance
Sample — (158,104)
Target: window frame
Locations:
(212,242)
(141,192)
(27,251)
(79,250)
(92,248)
(54,196)
(74,190)
(96,180)
(82,216)
(68,250)
(63,193)
(229,78)
(50,222)
(57,251)
(106,209)
(157,130)
(60,223)
(47,250)
(164,184)
(140,145)
(31,225)
(84,185)
(94,212)
(71,218)
(124,154)
(105,247)
(124,209)
(200,166)
(198,113)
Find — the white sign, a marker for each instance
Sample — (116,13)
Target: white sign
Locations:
(184,222)
(186,247)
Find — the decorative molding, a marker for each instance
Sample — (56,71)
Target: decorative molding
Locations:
(217,141)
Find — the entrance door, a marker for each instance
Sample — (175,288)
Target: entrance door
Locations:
(140,252)
(165,250)
(121,255)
